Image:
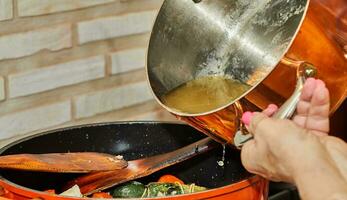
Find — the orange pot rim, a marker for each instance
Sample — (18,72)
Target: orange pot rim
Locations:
(234,187)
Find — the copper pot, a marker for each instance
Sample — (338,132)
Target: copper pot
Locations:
(262,43)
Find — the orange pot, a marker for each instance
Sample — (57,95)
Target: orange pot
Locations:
(254,188)
(133,140)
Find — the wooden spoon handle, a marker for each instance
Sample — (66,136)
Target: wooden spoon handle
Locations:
(91,183)
(81,162)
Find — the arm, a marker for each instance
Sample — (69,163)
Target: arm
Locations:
(326,179)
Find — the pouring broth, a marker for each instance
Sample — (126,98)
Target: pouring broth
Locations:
(204,94)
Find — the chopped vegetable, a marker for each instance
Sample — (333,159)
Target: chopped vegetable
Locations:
(138,190)
(192,188)
(102,195)
(133,189)
(73,192)
(170,179)
(163,189)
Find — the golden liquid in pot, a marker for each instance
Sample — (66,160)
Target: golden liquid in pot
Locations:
(204,94)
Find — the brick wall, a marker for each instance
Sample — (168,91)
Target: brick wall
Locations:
(67,62)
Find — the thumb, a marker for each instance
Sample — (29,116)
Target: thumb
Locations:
(269,111)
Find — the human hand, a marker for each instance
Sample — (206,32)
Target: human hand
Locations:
(312,117)
(312,109)
(277,148)
(299,151)
(283,151)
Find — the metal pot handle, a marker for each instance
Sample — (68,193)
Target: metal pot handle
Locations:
(286,111)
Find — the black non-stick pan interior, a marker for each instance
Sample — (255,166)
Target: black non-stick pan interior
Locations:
(133,141)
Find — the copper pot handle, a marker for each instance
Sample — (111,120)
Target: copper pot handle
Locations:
(286,111)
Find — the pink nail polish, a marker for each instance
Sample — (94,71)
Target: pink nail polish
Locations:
(247,117)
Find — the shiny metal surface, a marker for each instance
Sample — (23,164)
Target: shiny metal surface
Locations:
(243,39)
(286,111)
(257,42)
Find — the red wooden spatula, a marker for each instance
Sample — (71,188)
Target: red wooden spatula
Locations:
(81,162)
(94,182)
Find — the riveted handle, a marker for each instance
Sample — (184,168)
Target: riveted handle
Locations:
(286,111)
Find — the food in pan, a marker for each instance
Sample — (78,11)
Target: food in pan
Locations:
(138,190)
(167,185)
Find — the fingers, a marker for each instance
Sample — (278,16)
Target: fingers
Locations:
(306,96)
(256,154)
(246,118)
(309,87)
(321,94)
(269,111)
(251,159)
(318,116)
(313,107)
(320,100)
(314,91)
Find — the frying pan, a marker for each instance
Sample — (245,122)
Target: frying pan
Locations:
(133,140)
